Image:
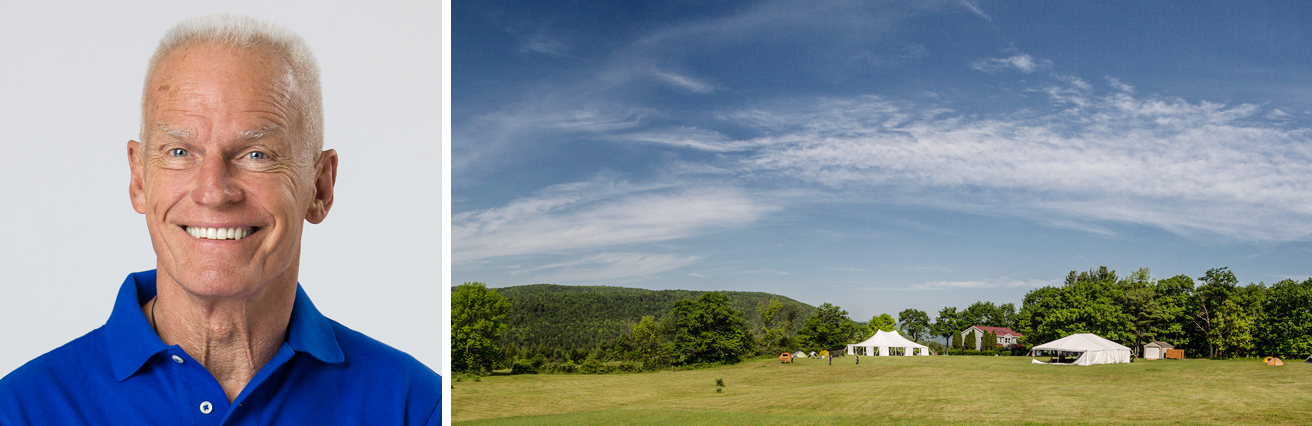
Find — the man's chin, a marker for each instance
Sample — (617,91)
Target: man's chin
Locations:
(218,284)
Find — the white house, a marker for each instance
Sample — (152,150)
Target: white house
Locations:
(1006,336)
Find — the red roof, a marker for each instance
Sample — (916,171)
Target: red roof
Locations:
(1001,331)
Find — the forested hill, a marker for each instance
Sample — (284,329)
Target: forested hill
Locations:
(585,317)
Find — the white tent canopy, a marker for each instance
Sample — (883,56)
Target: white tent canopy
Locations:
(1092,348)
(887,339)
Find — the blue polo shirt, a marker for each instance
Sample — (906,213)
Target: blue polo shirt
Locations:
(122,373)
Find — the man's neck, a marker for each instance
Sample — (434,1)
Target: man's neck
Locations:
(232,338)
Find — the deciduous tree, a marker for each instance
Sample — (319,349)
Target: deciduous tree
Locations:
(829,328)
(1286,321)
(883,322)
(772,327)
(707,330)
(914,322)
(1216,286)
(946,325)
(477,319)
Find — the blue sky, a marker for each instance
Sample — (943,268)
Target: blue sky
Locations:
(878,155)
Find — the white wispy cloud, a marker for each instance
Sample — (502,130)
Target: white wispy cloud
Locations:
(684,82)
(487,139)
(974,8)
(605,267)
(1119,85)
(599,213)
(1020,62)
(684,137)
(1278,114)
(1188,167)
(544,44)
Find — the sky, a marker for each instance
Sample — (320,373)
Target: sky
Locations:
(878,155)
(71,92)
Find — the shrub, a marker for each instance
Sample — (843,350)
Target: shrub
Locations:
(565,367)
(527,366)
(593,366)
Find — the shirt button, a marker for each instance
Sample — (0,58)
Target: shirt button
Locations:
(206,407)
(177,359)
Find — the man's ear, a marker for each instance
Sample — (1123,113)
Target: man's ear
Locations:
(136,185)
(325,177)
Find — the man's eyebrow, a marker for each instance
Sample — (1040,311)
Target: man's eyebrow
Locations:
(181,134)
(260,132)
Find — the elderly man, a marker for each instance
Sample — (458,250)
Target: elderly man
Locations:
(229,167)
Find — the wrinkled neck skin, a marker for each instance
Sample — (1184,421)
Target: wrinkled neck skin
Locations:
(232,337)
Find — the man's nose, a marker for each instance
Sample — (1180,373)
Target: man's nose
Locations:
(215,185)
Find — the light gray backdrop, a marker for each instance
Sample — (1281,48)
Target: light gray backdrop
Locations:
(70,85)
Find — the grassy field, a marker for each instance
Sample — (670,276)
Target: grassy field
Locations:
(903,390)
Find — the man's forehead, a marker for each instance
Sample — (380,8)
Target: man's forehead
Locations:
(209,74)
(215,91)
(224,58)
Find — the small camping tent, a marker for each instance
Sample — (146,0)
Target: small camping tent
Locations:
(885,340)
(799,354)
(1091,349)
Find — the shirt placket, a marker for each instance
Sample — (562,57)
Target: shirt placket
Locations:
(199,396)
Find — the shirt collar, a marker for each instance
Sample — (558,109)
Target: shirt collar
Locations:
(131,340)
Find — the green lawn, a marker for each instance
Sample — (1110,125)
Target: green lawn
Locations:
(902,390)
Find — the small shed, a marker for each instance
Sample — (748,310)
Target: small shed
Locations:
(1156,350)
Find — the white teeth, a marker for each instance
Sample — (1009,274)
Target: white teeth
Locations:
(218,233)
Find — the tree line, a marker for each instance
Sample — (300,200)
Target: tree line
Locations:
(1213,316)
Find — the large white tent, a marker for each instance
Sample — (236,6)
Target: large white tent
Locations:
(1092,349)
(884,340)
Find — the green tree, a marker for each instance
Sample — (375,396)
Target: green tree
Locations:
(771,329)
(881,322)
(946,325)
(477,320)
(1234,330)
(1007,316)
(1286,321)
(707,330)
(1086,303)
(1173,297)
(989,342)
(914,322)
(829,328)
(956,341)
(645,341)
(1138,299)
(1217,286)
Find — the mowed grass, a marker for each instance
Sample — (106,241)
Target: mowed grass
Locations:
(902,390)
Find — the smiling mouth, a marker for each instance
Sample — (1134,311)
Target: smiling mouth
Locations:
(219,233)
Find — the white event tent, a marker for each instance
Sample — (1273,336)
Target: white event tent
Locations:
(884,340)
(1093,349)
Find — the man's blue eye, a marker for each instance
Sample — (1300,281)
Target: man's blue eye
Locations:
(178,152)
(257,155)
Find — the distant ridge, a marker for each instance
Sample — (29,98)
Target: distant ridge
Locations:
(586,317)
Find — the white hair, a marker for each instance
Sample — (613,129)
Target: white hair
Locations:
(245,32)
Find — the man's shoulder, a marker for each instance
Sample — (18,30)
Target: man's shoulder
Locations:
(56,378)
(59,362)
(376,375)
(365,352)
